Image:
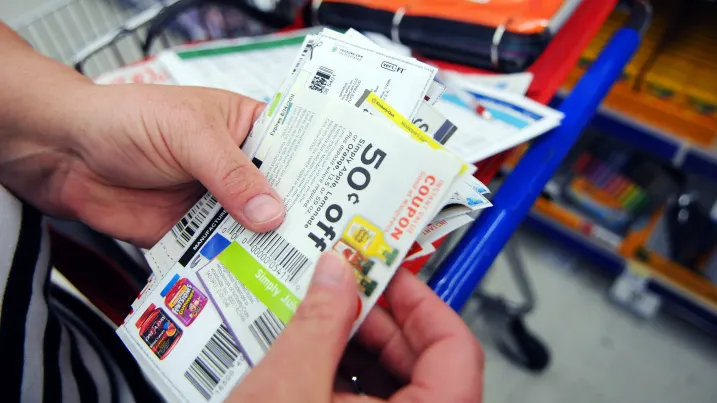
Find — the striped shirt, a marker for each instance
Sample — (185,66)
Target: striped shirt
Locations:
(53,347)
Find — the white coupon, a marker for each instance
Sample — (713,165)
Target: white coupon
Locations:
(516,83)
(436,230)
(491,121)
(332,165)
(344,69)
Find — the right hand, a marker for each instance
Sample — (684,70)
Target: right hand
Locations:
(422,342)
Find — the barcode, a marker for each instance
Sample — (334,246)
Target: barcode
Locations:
(322,80)
(273,247)
(308,48)
(185,229)
(213,362)
(235,230)
(266,329)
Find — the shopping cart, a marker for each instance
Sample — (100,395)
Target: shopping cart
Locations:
(466,260)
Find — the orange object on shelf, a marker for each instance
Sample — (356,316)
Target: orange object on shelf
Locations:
(700,129)
(677,92)
(519,16)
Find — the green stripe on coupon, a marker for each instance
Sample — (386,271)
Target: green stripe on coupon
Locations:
(265,287)
(247,47)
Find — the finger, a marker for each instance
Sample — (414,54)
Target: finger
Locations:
(380,334)
(238,185)
(138,216)
(450,360)
(243,112)
(353,398)
(306,355)
(362,367)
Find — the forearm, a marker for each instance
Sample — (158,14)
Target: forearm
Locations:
(39,102)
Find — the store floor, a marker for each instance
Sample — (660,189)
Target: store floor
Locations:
(600,352)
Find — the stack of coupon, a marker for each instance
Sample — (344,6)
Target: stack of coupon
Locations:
(351,141)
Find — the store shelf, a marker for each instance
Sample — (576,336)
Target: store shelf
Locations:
(602,255)
(681,153)
(696,304)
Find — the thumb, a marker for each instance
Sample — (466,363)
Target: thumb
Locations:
(238,185)
(306,355)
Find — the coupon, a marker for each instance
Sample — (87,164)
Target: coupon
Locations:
(332,165)
(334,66)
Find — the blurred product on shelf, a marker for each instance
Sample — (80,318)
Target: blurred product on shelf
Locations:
(684,233)
(620,205)
(671,82)
(701,91)
(615,188)
(611,186)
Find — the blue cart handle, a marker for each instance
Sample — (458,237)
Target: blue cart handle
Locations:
(470,260)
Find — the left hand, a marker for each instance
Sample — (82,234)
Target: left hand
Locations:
(128,160)
(425,351)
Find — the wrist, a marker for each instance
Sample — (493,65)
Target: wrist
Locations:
(40,133)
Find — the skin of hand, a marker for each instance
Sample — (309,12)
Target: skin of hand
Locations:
(422,342)
(128,160)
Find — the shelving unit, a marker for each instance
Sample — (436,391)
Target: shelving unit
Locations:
(695,306)
(682,153)
(680,289)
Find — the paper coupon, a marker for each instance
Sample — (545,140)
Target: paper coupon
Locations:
(186,364)
(491,121)
(333,183)
(343,69)
(440,228)
(220,294)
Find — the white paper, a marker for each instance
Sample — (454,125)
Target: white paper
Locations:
(516,83)
(507,120)
(333,164)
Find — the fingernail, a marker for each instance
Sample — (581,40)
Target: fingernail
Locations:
(262,208)
(330,270)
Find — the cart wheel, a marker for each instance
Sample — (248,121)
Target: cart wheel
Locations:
(520,346)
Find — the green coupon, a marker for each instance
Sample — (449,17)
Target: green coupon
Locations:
(262,283)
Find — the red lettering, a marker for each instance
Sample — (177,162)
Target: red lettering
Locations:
(403,222)
(411,212)
(396,234)
(430,179)
(417,201)
(423,190)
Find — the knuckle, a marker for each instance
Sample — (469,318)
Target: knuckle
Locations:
(241,180)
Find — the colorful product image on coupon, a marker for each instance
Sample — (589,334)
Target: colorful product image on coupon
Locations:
(368,239)
(158,331)
(362,266)
(183,299)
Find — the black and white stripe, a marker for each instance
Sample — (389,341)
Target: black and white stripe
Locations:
(54,348)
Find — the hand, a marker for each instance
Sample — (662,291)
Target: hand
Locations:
(129,159)
(422,342)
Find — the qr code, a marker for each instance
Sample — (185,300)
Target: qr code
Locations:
(322,80)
